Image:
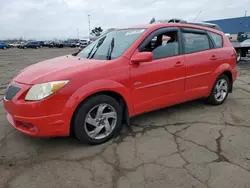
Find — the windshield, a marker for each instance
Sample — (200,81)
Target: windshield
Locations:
(112,45)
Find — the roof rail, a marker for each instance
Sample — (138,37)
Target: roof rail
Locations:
(177,20)
(206,24)
(173,20)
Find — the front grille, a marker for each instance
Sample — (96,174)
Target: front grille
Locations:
(11,92)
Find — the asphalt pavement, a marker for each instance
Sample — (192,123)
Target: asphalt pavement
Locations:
(185,146)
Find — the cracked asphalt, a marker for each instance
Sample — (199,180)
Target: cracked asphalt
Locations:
(185,146)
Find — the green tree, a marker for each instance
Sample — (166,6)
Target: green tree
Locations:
(152,20)
(97,31)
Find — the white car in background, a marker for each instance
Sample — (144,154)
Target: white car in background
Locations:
(15,45)
(83,43)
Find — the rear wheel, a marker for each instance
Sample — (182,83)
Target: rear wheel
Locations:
(4,48)
(220,90)
(98,119)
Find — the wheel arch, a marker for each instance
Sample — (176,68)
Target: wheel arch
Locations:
(114,89)
(117,96)
(230,77)
(226,70)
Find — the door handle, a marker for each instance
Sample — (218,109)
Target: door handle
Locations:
(214,57)
(179,64)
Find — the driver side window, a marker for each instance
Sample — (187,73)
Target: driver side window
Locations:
(163,45)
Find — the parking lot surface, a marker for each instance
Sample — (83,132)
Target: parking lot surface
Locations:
(188,145)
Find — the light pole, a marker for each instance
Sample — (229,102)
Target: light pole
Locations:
(78,33)
(89,23)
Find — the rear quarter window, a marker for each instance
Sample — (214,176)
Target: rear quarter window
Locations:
(217,38)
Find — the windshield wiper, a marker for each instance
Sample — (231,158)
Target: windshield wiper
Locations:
(110,50)
(97,47)
(91,51)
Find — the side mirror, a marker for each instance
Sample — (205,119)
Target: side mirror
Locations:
(142,57)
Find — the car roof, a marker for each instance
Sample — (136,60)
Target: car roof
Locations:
(201,25)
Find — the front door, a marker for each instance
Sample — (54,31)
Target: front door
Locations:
(160,82)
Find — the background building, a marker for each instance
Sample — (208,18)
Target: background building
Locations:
(233,25)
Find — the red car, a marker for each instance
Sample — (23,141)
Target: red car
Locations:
(122,74)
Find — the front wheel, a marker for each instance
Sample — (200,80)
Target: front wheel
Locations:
(98,119)
(220,90)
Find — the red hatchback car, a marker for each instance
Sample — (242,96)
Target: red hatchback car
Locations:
(123,73)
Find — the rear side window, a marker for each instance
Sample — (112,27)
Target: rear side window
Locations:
(217,39)
(195,42)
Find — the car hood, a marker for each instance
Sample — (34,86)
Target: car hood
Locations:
(61,68)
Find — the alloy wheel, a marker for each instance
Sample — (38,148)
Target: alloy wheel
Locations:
(100,121)
(221,90)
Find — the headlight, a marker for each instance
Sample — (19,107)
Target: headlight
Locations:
(40,91)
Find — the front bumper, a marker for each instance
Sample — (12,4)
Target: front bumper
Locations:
(49,126)
(41,118)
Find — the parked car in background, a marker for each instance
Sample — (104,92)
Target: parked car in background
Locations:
(120,75)
(69,44)
(49,44)
(32,44)
(20,44)
(58,44)
(83,44)
(41,43)
(15,45)
(4,45)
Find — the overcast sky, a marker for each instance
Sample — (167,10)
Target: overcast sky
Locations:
(45,19)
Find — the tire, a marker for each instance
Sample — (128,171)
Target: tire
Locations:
(88,110)
(25,47)
(215,98)
(37,47)
(239,54)
(4,48)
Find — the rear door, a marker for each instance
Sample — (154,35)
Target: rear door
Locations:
(201,61)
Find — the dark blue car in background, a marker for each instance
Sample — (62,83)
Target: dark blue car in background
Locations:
(3,45)
(33,44)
